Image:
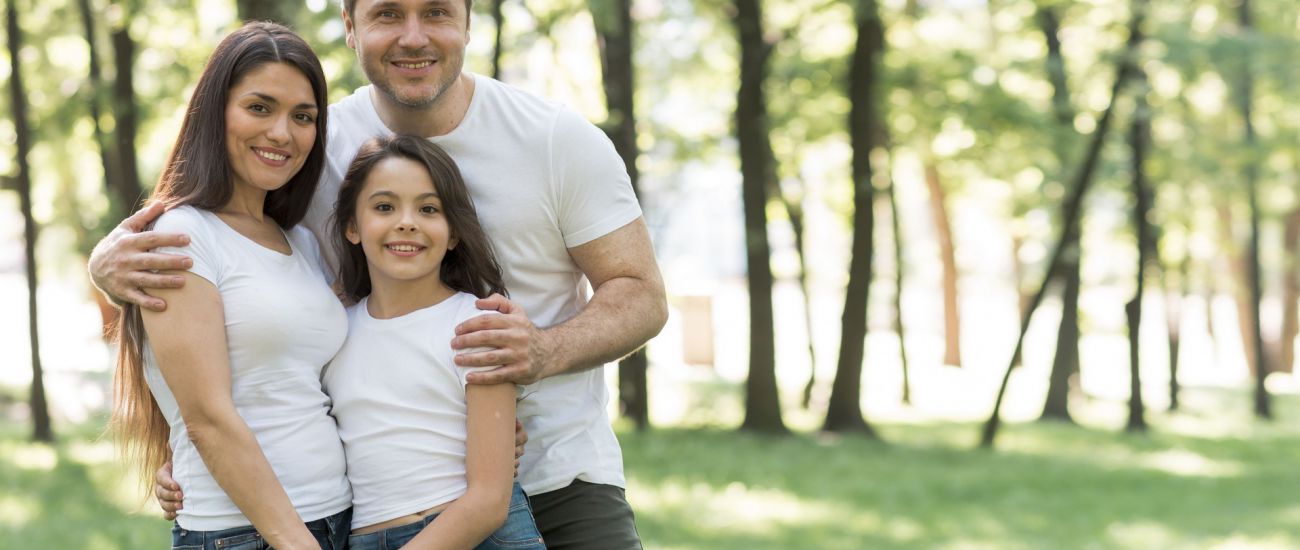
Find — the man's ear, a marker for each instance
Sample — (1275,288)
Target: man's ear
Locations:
(348,27)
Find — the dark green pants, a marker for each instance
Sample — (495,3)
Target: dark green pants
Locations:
(586,516)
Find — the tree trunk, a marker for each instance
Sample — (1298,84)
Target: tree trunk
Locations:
(127,177)
(121,199)
(762,401)
(794,210)
(1263,403)
(948,258)
(614,32)
(1238,270)
(896,226)
(1065,363)
(1072,208)
(1290,291)
(1176,288)
(844,412)
(499,23)
(41,427)
(283,12)
(1138,140)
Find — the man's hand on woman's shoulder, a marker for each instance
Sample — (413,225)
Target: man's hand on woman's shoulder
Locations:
(123,265)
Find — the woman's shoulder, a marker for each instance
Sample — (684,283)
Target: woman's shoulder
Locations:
(198,224)
(183,217)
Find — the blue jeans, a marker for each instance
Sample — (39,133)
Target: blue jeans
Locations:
(331,532)
(517,533)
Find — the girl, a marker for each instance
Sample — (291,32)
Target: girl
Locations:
(226,380)
(429,457)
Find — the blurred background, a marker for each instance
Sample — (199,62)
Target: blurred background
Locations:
(943,273)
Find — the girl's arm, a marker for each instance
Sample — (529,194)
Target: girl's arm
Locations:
(189,340)
(489,466)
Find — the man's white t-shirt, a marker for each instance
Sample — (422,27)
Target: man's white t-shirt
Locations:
(283,324)
(401,409)
(543,180)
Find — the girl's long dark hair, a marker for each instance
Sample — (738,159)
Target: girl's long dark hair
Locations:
(198,174)
(471,267)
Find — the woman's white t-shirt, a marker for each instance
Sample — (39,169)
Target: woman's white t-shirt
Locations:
(283,324)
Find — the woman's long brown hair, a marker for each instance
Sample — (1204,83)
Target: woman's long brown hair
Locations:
(198,174)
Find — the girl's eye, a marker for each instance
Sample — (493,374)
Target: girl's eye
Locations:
(384,207)
(429,209)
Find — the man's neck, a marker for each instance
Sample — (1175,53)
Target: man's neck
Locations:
(436,119)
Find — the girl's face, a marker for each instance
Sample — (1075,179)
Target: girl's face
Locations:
(400,224)
(270,126)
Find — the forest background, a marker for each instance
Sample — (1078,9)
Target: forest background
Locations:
(885,228)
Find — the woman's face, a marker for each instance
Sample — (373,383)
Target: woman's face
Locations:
(270,126)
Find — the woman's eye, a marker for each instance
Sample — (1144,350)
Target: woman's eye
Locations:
(258,108)
(306,118)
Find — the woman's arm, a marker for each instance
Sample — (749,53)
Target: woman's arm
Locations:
(189,341)
(488,468)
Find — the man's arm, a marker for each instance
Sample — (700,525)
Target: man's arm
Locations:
(627,308)
(122,266)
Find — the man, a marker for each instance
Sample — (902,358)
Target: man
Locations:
(555,199)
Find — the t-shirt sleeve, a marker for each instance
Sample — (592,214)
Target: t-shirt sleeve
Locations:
(469,312)
(203,249)
(594,192)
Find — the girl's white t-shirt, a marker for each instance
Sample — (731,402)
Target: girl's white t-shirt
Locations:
(283,324)
(400,405)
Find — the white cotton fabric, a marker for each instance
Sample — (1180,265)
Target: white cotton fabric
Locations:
(283,324)
(543,180)
(401,410)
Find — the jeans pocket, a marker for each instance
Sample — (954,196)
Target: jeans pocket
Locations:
(519,531)
(245,541)
(188,547)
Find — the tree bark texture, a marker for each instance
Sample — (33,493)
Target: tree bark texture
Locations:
(42,430)
(1071,209)
(121,199)
(948,259)
(762,401)
(844,412)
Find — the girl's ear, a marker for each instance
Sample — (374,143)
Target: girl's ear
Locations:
(451,243)
(353,236)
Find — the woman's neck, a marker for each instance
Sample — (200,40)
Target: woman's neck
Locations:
(246,202)
(391,298)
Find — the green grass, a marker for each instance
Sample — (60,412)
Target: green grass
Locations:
(1198,480)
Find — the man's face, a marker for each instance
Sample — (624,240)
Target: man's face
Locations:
(411,50)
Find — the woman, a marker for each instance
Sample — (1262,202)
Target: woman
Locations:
(226,381)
